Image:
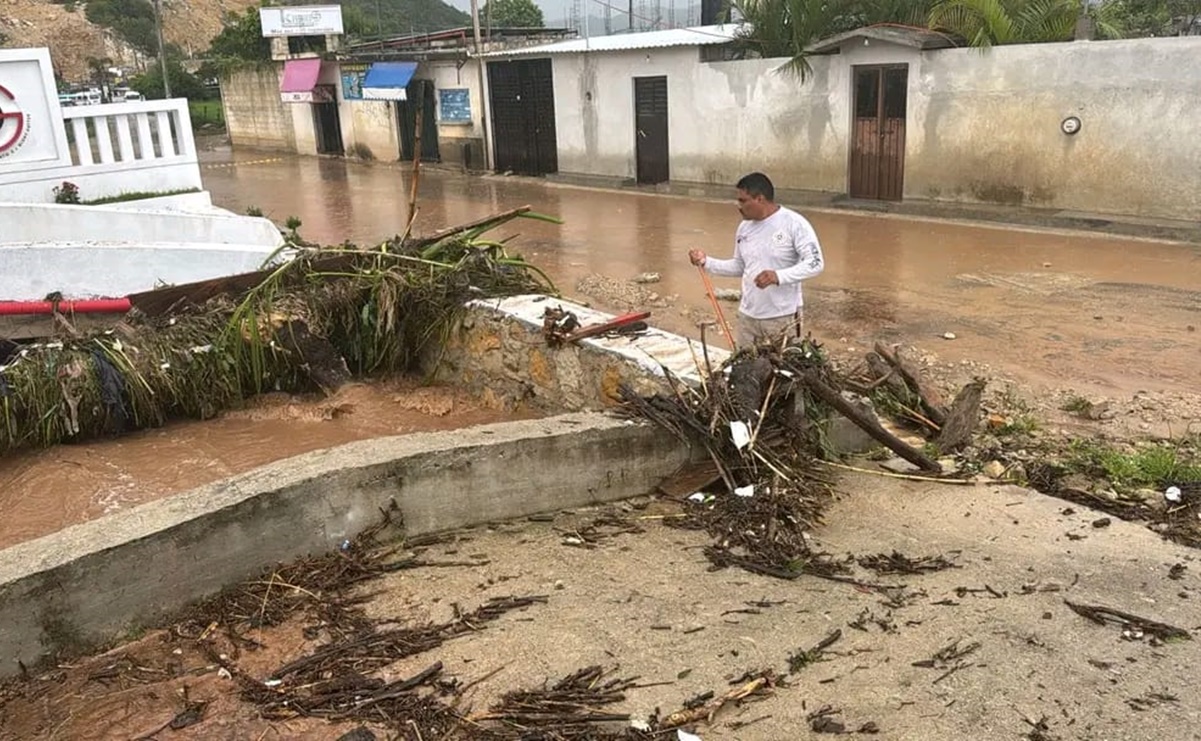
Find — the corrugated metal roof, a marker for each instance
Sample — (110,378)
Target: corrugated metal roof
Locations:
(695,36)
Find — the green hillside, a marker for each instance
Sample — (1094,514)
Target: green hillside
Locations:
(398,17)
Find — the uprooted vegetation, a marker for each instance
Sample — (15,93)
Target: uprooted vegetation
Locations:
(316,320)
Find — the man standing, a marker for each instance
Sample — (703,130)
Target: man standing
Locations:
(775,248)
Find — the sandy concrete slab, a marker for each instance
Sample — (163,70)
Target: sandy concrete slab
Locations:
(648,604)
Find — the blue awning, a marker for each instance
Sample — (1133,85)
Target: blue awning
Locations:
(388,80)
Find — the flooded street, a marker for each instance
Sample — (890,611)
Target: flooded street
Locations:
(1098,315)
(1106,315)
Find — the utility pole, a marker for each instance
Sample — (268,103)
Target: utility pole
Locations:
(162,54)
(475,27)
(379,25)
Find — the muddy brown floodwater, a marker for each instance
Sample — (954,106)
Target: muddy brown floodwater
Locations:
(46,491)
(1104,314)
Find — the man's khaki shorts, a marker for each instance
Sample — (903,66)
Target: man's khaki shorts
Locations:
(774,331)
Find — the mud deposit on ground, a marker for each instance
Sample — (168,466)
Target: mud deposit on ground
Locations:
(987,649)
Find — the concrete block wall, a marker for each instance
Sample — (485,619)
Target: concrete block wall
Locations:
(254,114)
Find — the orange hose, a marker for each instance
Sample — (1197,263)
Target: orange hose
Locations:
(721,317)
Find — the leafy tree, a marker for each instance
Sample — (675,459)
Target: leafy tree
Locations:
(1140,18)
(785,28)
(397,17)
(98,67)
(241,39)
(183,83)
(513,14)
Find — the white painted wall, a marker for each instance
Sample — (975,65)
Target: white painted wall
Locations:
(725,119)
(982,126)
(255,116)
(986,126)
(94,269)
(59,223)
(85,251)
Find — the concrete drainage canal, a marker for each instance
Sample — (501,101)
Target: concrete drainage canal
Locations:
(194,558)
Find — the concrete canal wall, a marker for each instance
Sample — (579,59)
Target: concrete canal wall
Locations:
(90,584)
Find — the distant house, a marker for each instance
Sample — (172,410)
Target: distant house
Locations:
(885,113)
(363,100)
(596,106)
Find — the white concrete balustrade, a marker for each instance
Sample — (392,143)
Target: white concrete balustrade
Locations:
(130,133)
(151,141)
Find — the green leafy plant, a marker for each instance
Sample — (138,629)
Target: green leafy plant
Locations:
(1156,465)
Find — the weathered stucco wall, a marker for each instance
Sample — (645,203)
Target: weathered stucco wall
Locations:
(982,126)
(725,119)
(369,129)
(453,137)
(254,114)
(987,126)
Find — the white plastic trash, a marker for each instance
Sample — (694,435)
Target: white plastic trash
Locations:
(1173,494)
(740,434)
(745,491)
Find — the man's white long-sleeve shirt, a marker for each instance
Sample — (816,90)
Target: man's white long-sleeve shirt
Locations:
(784,242)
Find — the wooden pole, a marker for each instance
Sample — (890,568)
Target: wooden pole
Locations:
(869,425)
(416,160)
(721,317)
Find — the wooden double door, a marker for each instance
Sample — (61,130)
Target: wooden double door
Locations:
(878,132)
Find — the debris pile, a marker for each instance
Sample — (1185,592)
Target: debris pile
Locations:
(749,416)
(316,320)
(573,709)
(763,419)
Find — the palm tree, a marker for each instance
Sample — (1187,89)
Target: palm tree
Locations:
(985,23)
(784,28)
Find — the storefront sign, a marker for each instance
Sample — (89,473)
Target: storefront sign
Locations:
(308,20)
(454,105)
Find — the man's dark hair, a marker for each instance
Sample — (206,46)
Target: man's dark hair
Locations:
(758,184)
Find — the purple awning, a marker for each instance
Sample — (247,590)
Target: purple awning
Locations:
(300,75)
